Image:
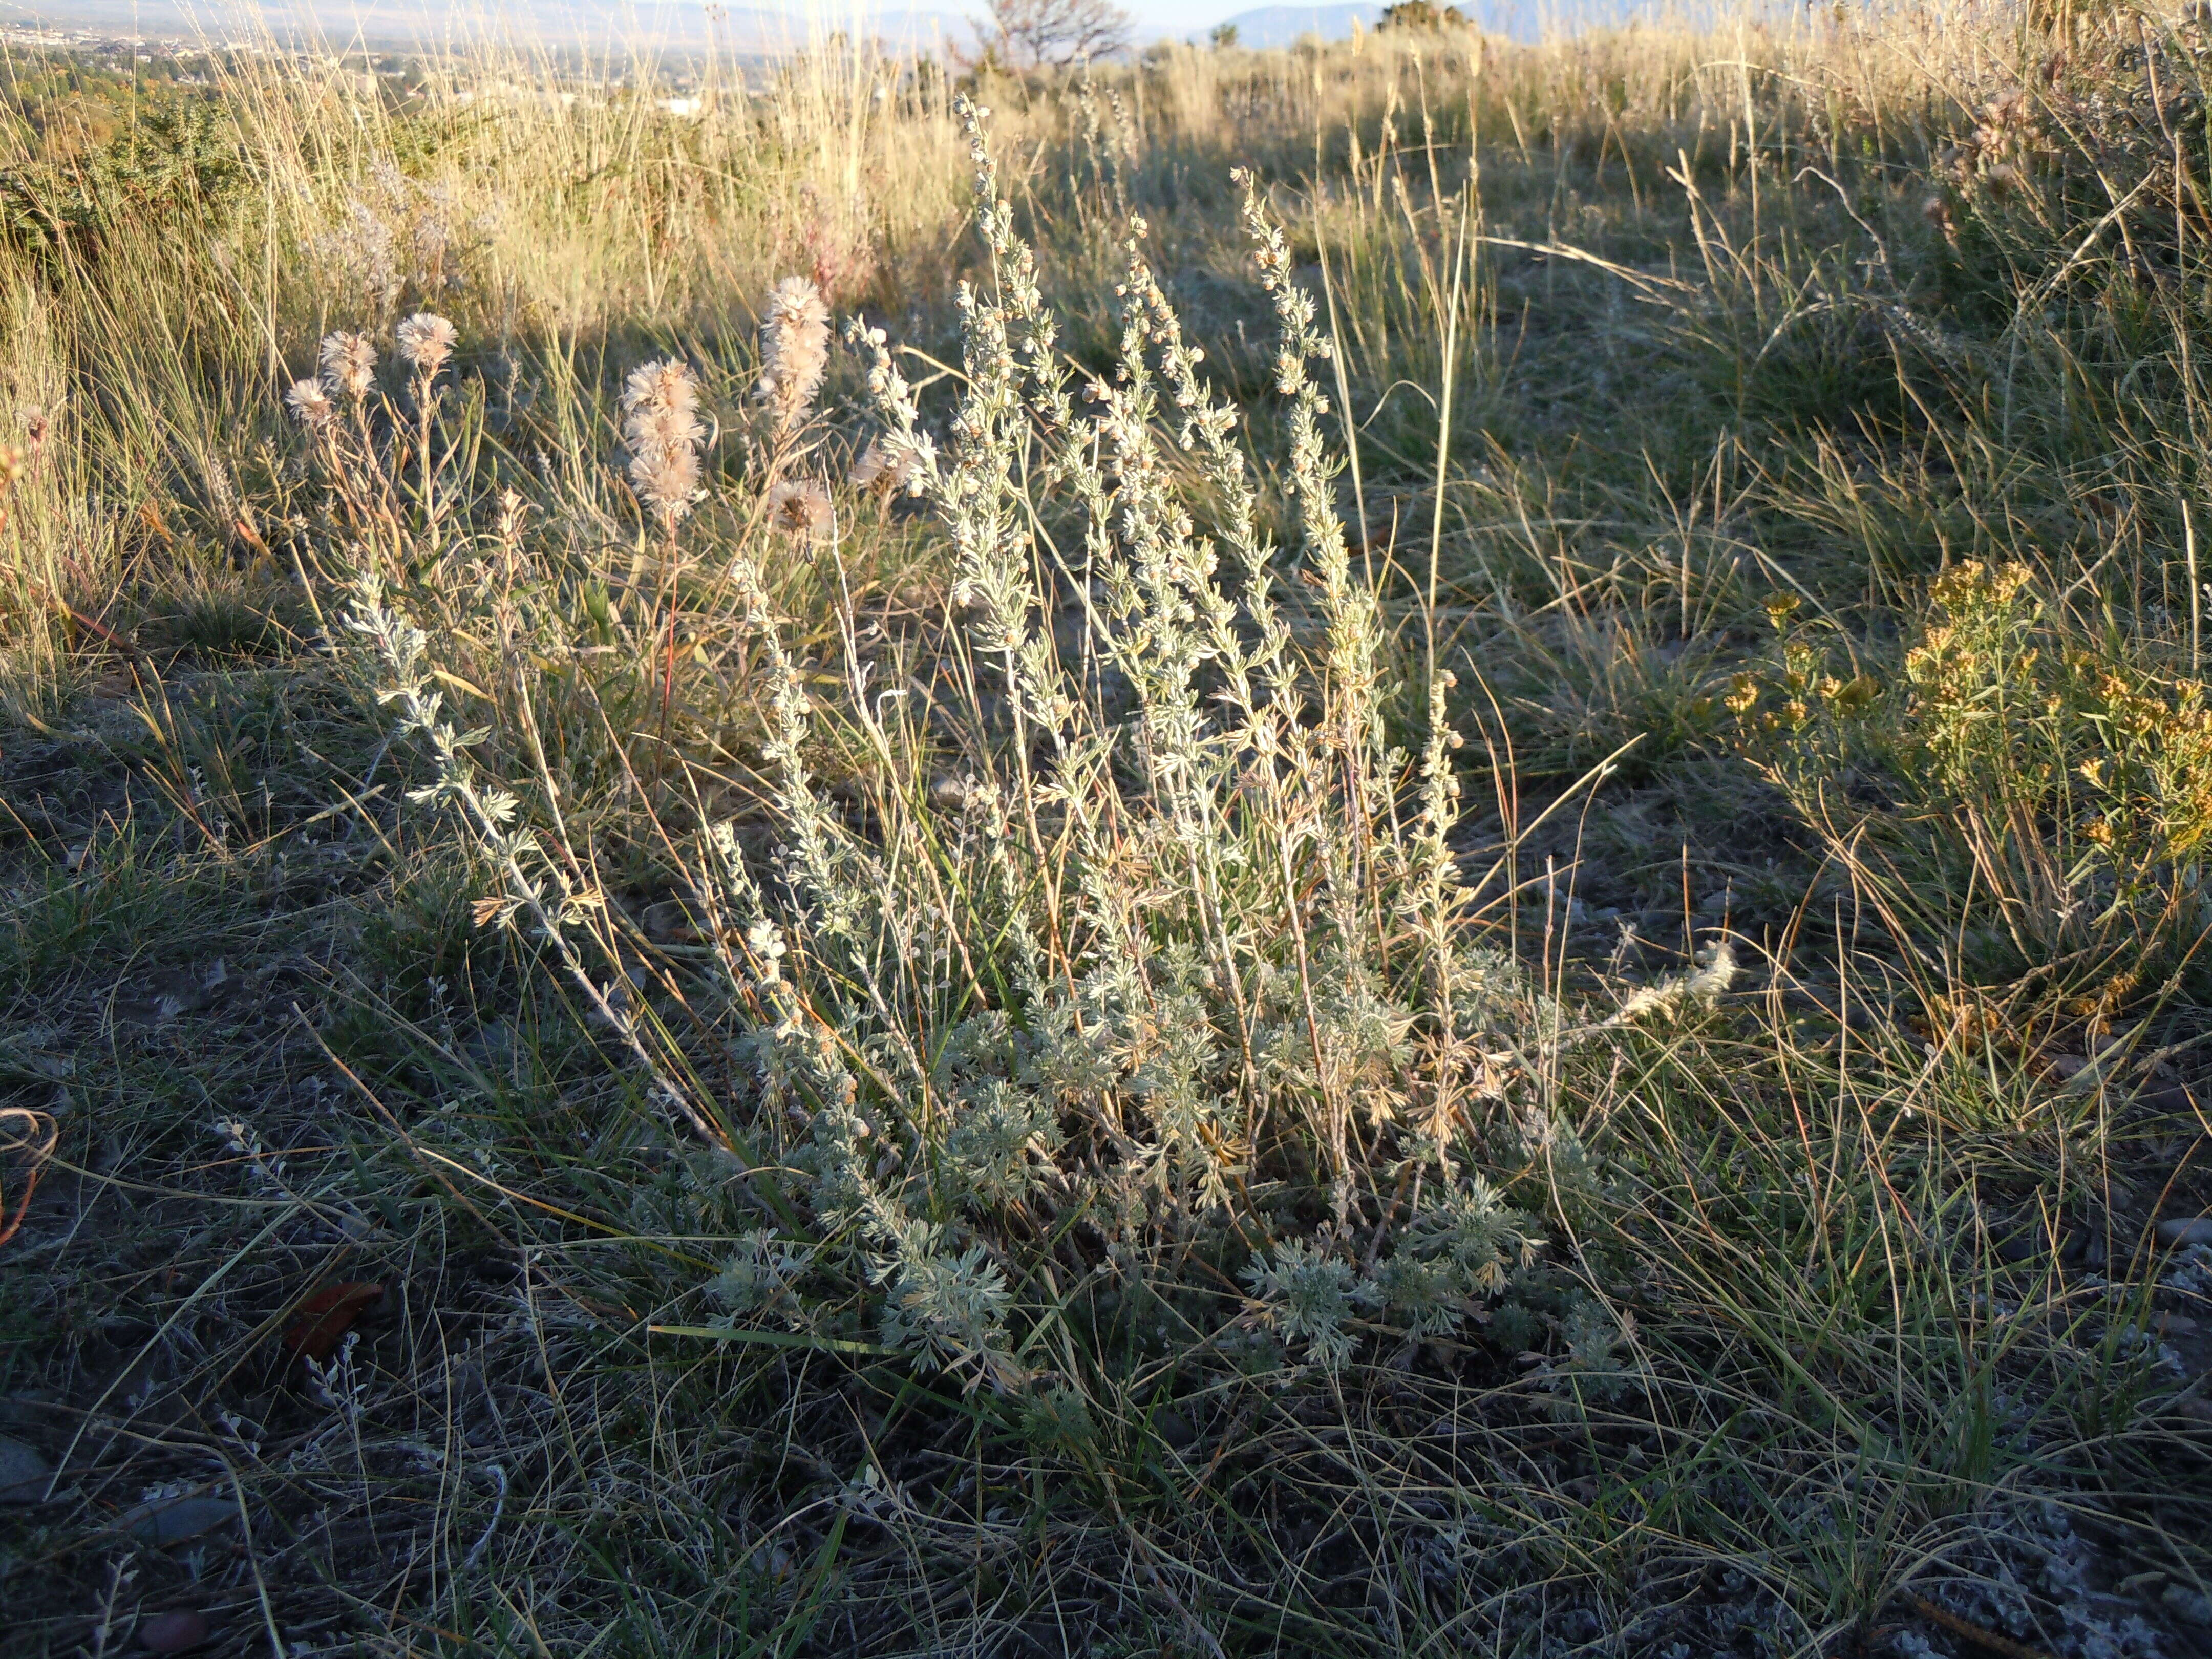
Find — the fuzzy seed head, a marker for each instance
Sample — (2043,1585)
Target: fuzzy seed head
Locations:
(666,480)
(889,466)
(310,404)
(660,408)
(660,423)
(350,361)
(794,350)
(800,509)
(427,340)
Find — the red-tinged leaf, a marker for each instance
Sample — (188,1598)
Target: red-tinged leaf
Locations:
(327,1315)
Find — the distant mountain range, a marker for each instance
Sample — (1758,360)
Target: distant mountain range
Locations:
(670,23)
(1284,25)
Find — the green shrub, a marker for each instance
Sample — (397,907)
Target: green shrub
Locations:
(2046,800)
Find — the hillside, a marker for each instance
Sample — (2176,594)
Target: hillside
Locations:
(1267,27)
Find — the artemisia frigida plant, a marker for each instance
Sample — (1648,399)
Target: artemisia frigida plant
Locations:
(1129,985)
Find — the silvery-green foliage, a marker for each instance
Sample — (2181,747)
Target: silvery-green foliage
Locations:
(1058,1418)
(1307,1292)
(1462,1245)
(948,1305)
(1065,1062)
(760,1278)
(1001,1141)
(1155,946)
(1568,1170)
(1600,1359)
(981,1046)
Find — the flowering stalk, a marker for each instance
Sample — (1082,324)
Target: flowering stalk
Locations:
(661,424)
(794,356)
(426,342)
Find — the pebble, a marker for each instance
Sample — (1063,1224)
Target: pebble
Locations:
(173,1520)
(172,1632)
(2026,1245)
(23,1474)
(2193,1606)
(2084,1249)
(2197,1232)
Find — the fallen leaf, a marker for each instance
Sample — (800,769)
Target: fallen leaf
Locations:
(327,1315)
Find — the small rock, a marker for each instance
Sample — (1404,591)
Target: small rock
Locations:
(493,1046)
(173,1520)
(23,1474)
(33,1408)
(2193,1606)
(2030,1244)
(2083,1250)
(1175,1428)
(172,1632)
(2197,1232)
(2168,1099)
(358,1229)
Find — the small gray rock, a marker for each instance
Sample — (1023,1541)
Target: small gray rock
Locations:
(2197,1232)
(173,1520)
(172,1632)
(2193,1606)
(2031,1243)
(1172,1426)
(23,1474)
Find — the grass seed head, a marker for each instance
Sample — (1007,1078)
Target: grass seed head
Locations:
(666,479)
(889,466)
(660,423)
(660,408)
